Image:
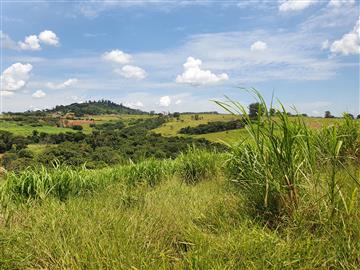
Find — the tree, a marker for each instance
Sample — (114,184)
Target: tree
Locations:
(176,115)
(349,115)
(77,127)
(255,109)
(272,111)
(328,114)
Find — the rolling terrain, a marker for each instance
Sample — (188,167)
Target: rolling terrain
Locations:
(286,197)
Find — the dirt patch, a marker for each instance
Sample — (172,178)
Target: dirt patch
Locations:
(71,123)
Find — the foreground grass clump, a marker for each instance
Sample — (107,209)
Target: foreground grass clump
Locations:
(281,156)
(60,182)
(197,164)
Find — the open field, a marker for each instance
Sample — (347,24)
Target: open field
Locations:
(25,130)
(286,198)
(172,127)
(39,148)
(122,117)
(148,216)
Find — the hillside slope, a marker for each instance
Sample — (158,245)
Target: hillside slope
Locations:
(96,108)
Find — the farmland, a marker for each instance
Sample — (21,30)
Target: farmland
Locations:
(130,192)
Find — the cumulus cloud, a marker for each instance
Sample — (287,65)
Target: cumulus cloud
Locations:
(165,101)
(194,75)
(49,37)
(30,43)
(349,43)
(62,85)
(258,46)
(117,56)
(39,94)
(295,5)
(134,105)
(340,3)
(14,78)
(177,102)
(131,72)
(33,42)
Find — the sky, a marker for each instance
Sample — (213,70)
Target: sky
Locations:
(181,55)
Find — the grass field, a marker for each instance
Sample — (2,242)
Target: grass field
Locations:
(114,117)
(287,198)
(26,130)
(172,127)
(39,148)
(149,218)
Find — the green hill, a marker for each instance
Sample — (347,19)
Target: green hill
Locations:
(96,108)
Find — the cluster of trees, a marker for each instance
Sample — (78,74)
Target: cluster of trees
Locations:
(329,115)
(103,147)
(8,141)
(32,120)
(108,125)
(95,108)
(213,127)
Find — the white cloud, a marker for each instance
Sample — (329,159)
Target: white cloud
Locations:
(39,94)
(6,42)
(295,5)
(6,93)
(340,3)
(134,105)
(33,42)
(117,56)
(49,37)
(177,102)
(194,75)
(30,43)
(258,46)
(15,77)
(63,85)
(325,45)
(165,101)
(131,72)
(349,43)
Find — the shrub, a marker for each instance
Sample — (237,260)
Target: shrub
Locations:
(270,166)
(77,127)
(150,171)
(39,183)
(196,165)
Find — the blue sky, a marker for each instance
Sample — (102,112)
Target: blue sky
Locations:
(179,55)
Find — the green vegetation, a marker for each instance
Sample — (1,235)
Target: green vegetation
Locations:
(26,130)
(111,143)
(286,196)
(95,108)
(213,127)
(173,126)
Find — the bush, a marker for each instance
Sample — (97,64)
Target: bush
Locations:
(210,127)
(196,165)
(150,171)
(39,183)
(77,127)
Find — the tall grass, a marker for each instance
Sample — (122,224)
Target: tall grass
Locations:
(281,155)
(197,164)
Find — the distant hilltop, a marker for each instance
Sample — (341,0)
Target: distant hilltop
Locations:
(99,107)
